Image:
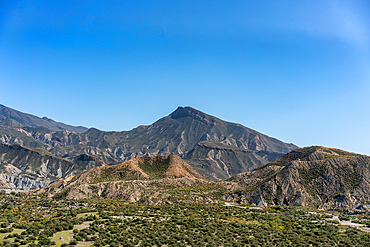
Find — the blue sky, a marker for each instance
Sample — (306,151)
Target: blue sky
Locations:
(298,71)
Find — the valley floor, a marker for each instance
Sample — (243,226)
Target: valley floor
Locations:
(29,220)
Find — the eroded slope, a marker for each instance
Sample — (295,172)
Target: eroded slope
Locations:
(314,176)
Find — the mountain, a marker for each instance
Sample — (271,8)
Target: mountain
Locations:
(310,177)
(23,167)
(218,161)
(183,132)
(151,180)
(15,119)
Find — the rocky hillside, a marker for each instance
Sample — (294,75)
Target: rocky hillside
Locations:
(179,133)
(10,118)
(218,161)
(22,167)
(151,180)
(314,176)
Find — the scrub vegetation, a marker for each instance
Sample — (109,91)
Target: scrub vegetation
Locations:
(29,220)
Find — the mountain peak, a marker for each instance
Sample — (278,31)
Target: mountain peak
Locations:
(184,112)
(188,111)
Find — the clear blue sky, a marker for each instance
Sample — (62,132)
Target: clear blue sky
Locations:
(298,71)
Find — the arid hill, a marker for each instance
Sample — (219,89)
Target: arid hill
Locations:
(152,180)
(313,176)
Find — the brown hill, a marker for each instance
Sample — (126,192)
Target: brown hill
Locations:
(147,178)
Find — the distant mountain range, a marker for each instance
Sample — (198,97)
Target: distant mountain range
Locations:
(215,148)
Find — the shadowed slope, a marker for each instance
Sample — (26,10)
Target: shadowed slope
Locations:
(218,161)
(23,167)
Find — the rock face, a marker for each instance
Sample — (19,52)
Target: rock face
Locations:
(22,167)
(151,180)
(218,161)
(314,176)
(182,132)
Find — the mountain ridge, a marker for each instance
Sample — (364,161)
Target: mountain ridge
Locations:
(10,117)
(178,133)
